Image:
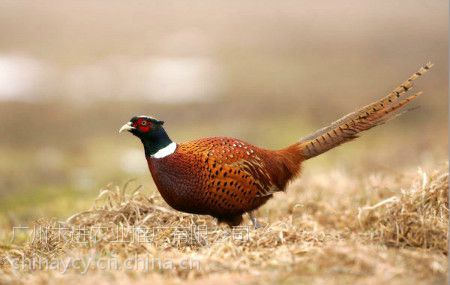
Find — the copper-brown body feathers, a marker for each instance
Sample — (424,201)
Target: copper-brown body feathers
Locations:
(222,177)
(226,177)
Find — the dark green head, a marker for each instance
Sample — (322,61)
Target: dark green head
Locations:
(150,131)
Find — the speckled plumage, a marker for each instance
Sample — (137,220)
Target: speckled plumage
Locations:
(222,177)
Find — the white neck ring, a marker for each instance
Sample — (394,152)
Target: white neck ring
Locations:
(165,151)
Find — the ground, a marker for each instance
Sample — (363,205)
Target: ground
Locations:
(338,227)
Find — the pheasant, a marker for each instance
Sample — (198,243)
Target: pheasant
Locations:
(226,177)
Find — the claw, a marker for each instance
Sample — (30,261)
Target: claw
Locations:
(255,222)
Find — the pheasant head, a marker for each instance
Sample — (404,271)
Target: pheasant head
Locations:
(151,133)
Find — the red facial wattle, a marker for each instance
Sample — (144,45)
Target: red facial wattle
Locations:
(143,125)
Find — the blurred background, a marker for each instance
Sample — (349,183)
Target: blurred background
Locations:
(268,72)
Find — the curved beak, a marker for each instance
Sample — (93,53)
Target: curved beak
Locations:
(126,127)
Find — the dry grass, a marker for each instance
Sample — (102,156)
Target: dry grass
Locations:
(416,218)
(370,231)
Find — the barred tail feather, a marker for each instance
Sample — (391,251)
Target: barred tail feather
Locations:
(347,128)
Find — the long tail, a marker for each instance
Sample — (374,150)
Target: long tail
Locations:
(347,128)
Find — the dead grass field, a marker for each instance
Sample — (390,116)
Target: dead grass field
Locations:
(333,228)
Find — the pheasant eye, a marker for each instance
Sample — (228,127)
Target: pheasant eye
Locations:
(144,123)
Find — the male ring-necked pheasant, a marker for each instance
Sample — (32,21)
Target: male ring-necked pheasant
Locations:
(226,177)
